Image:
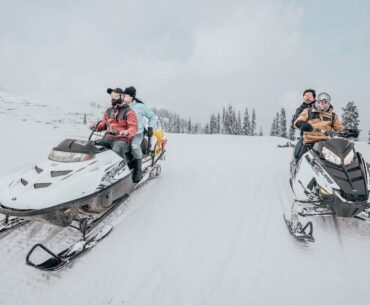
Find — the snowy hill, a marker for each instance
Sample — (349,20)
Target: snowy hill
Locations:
(209,230)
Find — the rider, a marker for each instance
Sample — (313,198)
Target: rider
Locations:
(121,119)
(309,96)
(320,117)
(141,111)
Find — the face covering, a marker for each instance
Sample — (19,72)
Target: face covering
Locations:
(322,106)
(115,102)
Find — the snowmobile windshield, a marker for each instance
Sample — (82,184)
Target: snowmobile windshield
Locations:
(71,150)
(64,156)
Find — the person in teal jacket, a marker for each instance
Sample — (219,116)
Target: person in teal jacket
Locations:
(141,111)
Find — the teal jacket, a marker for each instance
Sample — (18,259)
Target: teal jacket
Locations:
(141,111)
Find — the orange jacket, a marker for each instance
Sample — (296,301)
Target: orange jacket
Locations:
(325,121)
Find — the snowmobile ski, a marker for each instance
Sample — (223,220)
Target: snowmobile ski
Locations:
(8,224)
(314,211)
(300,232)
(67,256)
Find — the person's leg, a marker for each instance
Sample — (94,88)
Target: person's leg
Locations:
(304,149)
(136,146)
(298,148)
(106,142)
(121,148)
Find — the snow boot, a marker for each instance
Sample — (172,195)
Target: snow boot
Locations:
(137,173)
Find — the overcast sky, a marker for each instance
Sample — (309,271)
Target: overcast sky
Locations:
(191,56)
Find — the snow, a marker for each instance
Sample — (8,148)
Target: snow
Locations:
(209,230)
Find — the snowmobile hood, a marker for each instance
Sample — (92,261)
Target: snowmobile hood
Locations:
(50,184)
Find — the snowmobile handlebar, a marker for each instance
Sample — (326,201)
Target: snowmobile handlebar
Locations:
(345,133)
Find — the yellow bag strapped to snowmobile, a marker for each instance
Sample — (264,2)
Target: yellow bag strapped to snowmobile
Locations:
(159,134)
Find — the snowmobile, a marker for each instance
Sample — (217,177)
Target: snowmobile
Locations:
(331,178)
(79,185)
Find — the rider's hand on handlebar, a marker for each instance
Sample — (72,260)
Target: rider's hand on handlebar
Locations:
(123,133)
(92,126)
(306,126)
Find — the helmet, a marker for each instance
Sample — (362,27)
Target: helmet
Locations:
(322,103)
(324,96)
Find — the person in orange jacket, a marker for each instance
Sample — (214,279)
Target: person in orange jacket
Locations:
(121,119)
(315,121)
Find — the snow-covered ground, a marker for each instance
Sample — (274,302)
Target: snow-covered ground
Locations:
(209,230)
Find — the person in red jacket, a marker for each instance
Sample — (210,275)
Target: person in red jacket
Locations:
(121,119)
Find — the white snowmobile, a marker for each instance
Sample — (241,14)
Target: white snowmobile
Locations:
(331,178)
(79,185)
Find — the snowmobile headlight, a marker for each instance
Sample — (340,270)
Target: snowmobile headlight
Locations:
(330,156)
(63,156)
(349,158)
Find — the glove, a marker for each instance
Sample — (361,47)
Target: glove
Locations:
(150,132)
(92,126)
(306,126)
(123,133)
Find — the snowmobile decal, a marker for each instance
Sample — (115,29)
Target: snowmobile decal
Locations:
(112,176)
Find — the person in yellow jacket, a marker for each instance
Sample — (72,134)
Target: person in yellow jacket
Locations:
(315,121)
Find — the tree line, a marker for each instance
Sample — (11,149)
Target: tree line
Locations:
(234,122)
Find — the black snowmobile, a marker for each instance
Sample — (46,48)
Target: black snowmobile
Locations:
(331,178)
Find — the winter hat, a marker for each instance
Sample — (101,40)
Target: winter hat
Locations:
(131,91)
(117,90)
(310,90)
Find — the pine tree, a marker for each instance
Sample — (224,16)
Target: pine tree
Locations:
(85,120)
(223,128)
(239,124)
(350,116)
(218,123)
(189,126)
(282,124)
(206,129)
(246,123)
(213,124)
(260,133)
(253,123)
(277,130)
(233,122)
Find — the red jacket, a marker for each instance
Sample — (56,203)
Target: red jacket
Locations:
(119,118)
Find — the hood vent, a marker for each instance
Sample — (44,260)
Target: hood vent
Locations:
(60,173)
(41,185)
(38,169)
